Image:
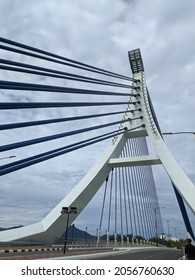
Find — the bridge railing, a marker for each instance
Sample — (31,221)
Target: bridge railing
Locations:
(78,243)
(83,243)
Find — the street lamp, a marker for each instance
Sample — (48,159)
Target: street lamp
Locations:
(168,227)
(155,215)
(85,235)
(175,228)
(179,132)
(72,232)
(7,157)
(68,211)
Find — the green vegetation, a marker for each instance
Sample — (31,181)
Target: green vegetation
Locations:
(179,244)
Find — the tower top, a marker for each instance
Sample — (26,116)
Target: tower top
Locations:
(136,62)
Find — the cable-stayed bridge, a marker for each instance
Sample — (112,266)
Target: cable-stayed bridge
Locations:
(52,106)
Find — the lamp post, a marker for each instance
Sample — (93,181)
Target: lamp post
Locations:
(179,132)
(175,228)
(7,157)
(168,227)
(72,232)
(68,211)
(85,236)
(156,226)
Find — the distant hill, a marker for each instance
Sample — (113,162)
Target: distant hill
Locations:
(74,232)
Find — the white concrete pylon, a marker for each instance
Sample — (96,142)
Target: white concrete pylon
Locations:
(181,181)
(53,225)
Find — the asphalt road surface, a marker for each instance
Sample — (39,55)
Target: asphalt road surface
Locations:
(154,253)
(145,254)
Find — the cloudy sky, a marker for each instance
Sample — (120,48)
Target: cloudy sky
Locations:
(101,33)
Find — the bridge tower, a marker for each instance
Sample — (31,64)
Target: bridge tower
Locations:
(140,114)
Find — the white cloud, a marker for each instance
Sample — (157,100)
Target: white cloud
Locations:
(101,33)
